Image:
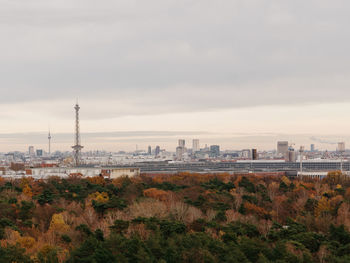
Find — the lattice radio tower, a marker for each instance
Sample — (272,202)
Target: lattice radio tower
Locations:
(77,147)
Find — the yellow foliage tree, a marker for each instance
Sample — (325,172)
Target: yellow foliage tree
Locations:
(58,224)
(97,180)
(26,181)
(100,197)
(13,237)
(285,180)
(323,206)
(26,242)
(334,178)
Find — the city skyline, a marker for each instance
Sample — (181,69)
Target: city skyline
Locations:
(128,140)
(125,139)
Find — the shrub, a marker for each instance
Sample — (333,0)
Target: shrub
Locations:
(66,239)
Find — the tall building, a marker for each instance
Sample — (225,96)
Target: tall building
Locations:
(179,153)
(312,148)
(195,145)
(246,154)
(180,150)
(149,152)
(77,147)
(214,150)
(182,143)
(254,154)
(291,156)
(157,151)
(31,151)
(341,147)
(282,147)
(39,152)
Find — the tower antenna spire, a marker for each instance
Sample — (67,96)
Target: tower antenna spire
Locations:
(77,147)
(49,137)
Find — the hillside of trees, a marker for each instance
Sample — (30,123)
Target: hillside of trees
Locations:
(175,218)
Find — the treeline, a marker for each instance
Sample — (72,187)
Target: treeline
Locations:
(175,218)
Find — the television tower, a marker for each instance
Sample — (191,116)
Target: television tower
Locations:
(302,150)
(49,137)
(77,147)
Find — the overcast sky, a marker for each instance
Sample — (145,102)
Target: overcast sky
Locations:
(190,67)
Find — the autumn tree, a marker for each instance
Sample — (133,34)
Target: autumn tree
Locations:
(334,178)
(256,210)
(97,180)
(156,194)
(323,206)
(58,224)
(27,191)
(100,197)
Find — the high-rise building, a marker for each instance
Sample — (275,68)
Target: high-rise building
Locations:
(39,152)
(246,154)
(341,147)
(312,148)
(214,150)
(179,153)
(291,156)
(31,151)
(157,151)
(182,143)
(149,152)
(254,154)
(282,148)
(195,145)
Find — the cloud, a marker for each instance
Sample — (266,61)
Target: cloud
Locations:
(134,57)
(323,141)
(41,137)
(232,66)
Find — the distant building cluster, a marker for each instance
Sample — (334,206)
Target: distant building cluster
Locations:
(38,162)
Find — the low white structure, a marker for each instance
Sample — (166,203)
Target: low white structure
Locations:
(113,172)
(314,175)
(318,175)
(119,172)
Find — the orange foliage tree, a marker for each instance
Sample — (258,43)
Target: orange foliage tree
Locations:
(256,210)
(156,194)
(2,181)
(27,191)
(347,193)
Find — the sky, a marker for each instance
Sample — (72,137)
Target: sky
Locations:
(239,73)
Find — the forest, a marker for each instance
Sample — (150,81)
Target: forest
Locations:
(181,217)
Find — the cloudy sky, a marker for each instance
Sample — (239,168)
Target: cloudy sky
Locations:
(241,73)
